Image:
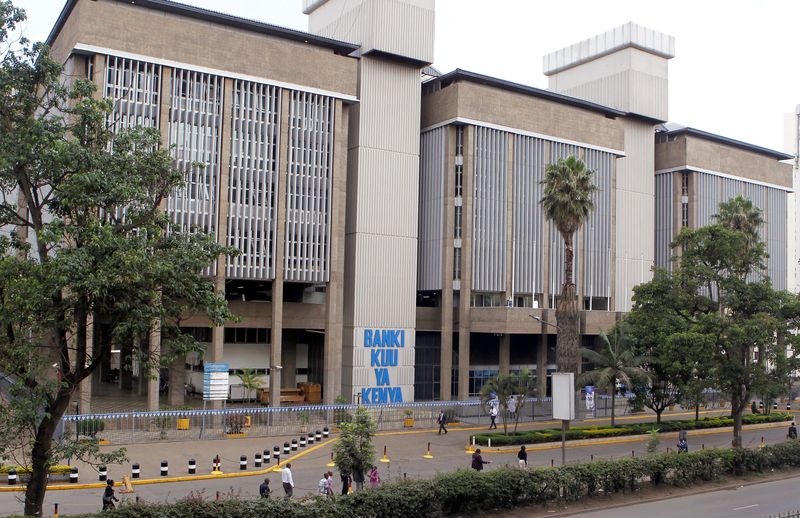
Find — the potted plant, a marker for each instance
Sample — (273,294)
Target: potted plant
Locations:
(250,384)
(182,422)
(234,425)
(408,422)
(341,415)
(303,418)
(90,427)
(162,423)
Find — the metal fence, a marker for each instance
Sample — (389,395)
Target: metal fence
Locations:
(187,425)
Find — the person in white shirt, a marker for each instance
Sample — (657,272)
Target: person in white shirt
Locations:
(286,478)
(493,415)
(323,484)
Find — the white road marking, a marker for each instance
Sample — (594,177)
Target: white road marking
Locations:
(744,507)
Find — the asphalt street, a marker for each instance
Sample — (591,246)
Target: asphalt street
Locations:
(405,451)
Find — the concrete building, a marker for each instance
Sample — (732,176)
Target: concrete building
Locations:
(392,243)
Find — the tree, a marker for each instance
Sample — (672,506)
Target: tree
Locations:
(614,361)
(567,202)
(353,451)
(727,308)
(250,382)
(90,247)
(511,390)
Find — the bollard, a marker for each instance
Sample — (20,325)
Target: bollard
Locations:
(385,457)
(302,441)
(243,463)
(12,477)
(294,444)
(286,448)
(325,433)
(276,451)
(73,475)
(428,453)
(633,453)
(55,510)
(318,436)
(490,442)
(788,406)
(311,438)
(591,457)
(552,463)
(164,468)
(266,456)
(257,460)
(216,464)
(331,464)
(761,405)
(192,466)
(102,473)
(703,446)
(135,470)
(775,405)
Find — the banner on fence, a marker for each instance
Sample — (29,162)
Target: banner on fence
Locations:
(215,382)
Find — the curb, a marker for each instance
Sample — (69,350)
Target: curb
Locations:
(187,478)
(620,440)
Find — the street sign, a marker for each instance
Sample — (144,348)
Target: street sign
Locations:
(563,395)
(215,382)
(589,397)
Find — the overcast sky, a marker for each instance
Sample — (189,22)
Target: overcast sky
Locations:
(736,70)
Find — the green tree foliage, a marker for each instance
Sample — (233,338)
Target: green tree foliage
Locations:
(250,382)
(510,389)
(90,247)
(718,309)
(567,202)
(615,361)
(353,451)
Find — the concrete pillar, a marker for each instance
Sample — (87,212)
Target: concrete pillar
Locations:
(276,344)
(448,234)
(177,378)
(289,371)
(541,364)
(155,359)
(332,350)
(505,354)
(466,266)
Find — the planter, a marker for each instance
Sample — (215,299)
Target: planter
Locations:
(235,435)
(182,423)
(408,422)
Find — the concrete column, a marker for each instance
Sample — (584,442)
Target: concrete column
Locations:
(541,364)
(505,354)
(177,378)
(289,371)
(446,338)
(466,266)
(332,350)
(155,359)
(85,388)
(280,240)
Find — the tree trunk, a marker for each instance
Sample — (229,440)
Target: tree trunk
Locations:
(658,416)
(737,409)
(613,401)
(697,412)
(40,455)
(567,340)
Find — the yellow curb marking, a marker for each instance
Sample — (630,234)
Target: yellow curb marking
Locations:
(189,478)
(622,440)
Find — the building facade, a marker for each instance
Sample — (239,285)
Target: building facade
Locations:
(392,244)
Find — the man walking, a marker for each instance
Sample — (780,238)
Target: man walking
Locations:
(442,420)
(792,432)
(288,482)
(477,461)
(264,489)
(493,416)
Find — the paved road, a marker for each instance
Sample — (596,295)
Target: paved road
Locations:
(757,500)
(405,451)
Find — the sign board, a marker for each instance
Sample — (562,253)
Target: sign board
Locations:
(563,395)
(383,365)
(215,382)
(589,397)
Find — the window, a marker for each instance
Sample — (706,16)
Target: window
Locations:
(459,183)
(685,199)
(457,264)
(247,335)
(487,299)
(478,378)
(458,218)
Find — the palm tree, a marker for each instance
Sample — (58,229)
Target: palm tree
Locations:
(567,202)
(740,214)
(250,382)
(615,361)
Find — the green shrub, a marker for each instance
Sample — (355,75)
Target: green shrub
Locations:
(594,432)
(90,427)
(468,492)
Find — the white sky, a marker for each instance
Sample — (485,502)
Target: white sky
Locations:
(736,70)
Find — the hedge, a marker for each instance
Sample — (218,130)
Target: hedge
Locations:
(58,469)
(594,432)
(468,492)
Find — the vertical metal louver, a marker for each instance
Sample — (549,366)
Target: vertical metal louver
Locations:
(253,181)
(489,210)
(529,163)
(135,89)
(665,201)
(597,228)
(431,209)
(194,131)
(308,189)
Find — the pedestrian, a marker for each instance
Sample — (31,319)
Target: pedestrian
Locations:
(477,461)
(754,408)
(330,484)
(375,477)
(358,478)
(286,478)
(323,484)
(264,489)
(792,432)
(493,415)
(683,445)
(522,455)
(442,420)
(346,481)
(108,496)
(512,407)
